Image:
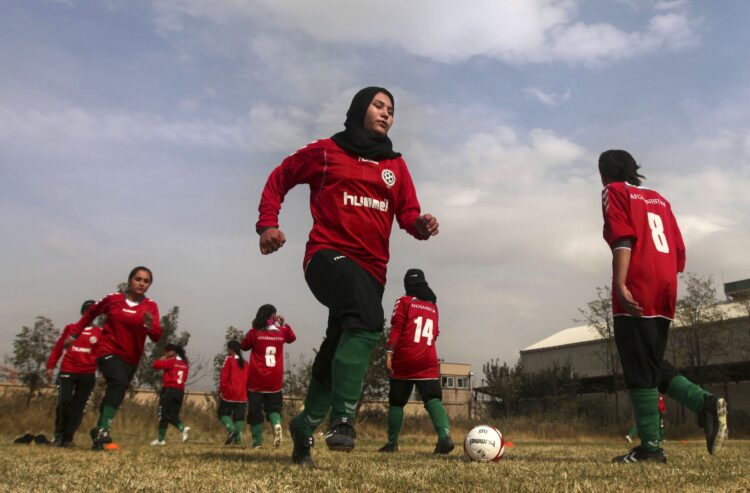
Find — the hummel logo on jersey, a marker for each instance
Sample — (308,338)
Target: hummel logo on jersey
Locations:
(389,177)
(381,205)
(339,257)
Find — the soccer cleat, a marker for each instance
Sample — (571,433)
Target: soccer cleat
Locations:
(444,446)
(185,431)
(389,447)
(637,454)
(341,435)
(713,420)
(629,438)
(276,435)
(301,446)
(158,442)
(232,437)
(100,437)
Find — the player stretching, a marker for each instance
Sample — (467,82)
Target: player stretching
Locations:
(411,358)
(131,317)
(358,184)
(233,393)
(648,252)
(265,341)
(76,378)
(175,366)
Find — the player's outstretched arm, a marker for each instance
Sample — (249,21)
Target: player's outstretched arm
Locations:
(271,239)
(427,225)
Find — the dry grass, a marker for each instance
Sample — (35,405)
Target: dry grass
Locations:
(528,466)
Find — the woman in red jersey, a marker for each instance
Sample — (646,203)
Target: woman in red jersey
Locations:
(175,366)
(76,378)
(131,317)
(265,341)
(647,253)
(411,359)
(233,393)
(358,186)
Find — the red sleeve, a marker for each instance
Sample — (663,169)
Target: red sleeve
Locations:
(680,245)
(398,319)
(224,379)
(615,208)
(155,333)
(289,335)
(247,341)
(57,350)
(162,364)
(292,171)
(407,208)
(101,306)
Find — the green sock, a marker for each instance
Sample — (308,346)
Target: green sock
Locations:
(686,393)
(239,426)
(439,417)
(257,432)
(181,426)
(105,419)
(317,403)
(349,366)
(274,418)
(395,419)
(162,433)
(632,432)
(227,422)
(646,411)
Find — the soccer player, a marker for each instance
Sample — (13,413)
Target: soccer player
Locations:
(175,366)
(358,185)
(233,393)
(76,379)
(131,317)
(265,341)
(411,359)
(647,254)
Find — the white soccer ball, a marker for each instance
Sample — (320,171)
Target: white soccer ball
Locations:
(484,443)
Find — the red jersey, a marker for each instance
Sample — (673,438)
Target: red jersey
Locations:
(414,330)
(352,200)
(658,252)
(124,334)
(80,356)
(175,372)
(267,356)
(233,381)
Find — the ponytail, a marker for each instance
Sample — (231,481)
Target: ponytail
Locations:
(234,346)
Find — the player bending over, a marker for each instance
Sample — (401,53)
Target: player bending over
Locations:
(647,254)
(174,365)
(411,359)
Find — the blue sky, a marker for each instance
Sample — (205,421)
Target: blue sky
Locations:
(142,133)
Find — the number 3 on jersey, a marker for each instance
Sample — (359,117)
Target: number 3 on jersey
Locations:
(423,330)
(270,356)
(657,232)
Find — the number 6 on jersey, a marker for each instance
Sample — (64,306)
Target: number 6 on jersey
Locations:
(423,330)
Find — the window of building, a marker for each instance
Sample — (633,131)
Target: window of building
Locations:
(447,382)
(462,383)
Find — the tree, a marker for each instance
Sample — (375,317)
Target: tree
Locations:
(698,314)
(377,380)
(502,385)
(31,349)
(232,333)
(598,314)
(297,377)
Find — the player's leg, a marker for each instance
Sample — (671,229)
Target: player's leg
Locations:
(272,405)
(163,419)
(398,395)
(255,417)
(65,389)
(118,374)
(711,410)
(84,385)
(432,396)
(641,350)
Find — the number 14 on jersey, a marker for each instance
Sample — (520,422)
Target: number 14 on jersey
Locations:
(423,330)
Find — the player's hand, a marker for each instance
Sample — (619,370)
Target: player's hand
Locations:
(280,319)
(389,362)
(50,373)
(271,240)
(68,342)
(148,320)
(427,225)
(627,301)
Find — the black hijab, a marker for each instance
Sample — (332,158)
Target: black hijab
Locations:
(416,285)
(355,139)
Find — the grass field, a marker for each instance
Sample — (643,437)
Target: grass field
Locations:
(531,466)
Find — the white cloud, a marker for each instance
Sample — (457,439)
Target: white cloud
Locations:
(544,97)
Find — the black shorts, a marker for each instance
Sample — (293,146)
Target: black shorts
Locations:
(118,375)
(641,343)
(235,410)
(354,299)
(260,402)
(170,404)
(400,390)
